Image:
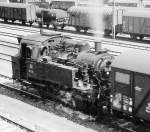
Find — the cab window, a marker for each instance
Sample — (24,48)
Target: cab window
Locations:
(35,52)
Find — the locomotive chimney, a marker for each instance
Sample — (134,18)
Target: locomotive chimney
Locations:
(97,46)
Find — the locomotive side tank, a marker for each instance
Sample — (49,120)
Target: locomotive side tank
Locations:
(131,84)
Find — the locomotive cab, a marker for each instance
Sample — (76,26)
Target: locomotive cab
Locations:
(19,62)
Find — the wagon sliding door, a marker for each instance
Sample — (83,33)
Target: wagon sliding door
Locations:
(122,100)
(142,96)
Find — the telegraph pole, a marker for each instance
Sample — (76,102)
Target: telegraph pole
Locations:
(114,30)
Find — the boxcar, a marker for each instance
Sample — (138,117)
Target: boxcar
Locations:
(131,84)
(15,11)
(79,18)
(136,22)
(108,20)
(82,18)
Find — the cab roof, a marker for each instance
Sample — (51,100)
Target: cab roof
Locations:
(38,39)
(133,60)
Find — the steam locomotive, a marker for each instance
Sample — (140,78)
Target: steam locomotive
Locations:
(86,79)
(65,69)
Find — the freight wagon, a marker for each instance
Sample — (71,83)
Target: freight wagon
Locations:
(54,17)
(137,23)
(131,84)
(81,17)
(15,11)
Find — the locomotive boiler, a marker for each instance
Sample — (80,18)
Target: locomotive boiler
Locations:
(64,69)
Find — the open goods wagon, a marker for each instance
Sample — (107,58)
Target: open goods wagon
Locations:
(131,84)
(15,11)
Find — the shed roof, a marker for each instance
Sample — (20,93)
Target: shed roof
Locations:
(134,60)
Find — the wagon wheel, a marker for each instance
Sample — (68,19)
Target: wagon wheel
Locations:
(54,26)
(107,32)
(85,30)
(47,25)
(133,36)
(30,23)
(77,29)
(12,20)
(62,27)
(141,37)
(116,33)
(23,23)
(40,24)
(5,20)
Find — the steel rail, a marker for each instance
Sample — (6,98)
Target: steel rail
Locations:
(9,42)
(19,29)
(16,124)
(5,59)
(103,41)
(9,46)
(9,35)
(11,88)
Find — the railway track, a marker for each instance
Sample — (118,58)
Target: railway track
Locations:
(118,123)
(112,46)
(111,122)
(105,42)
(9,126)
(122,37)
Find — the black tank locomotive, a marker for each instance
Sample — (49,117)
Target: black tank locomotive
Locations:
(68,70)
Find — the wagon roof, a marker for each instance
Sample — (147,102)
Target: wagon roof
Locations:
(137,12)
(83,9)
(125,1)
(106,10)
(16,5)
(59,13)
(133,60)
(38,39)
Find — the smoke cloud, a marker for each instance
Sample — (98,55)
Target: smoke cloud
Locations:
(96,18)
